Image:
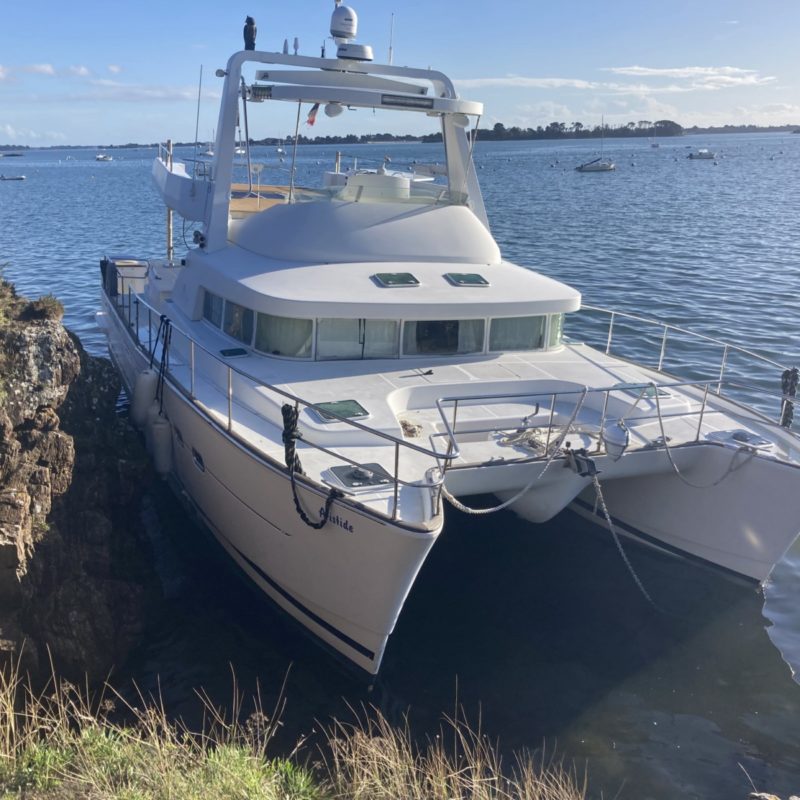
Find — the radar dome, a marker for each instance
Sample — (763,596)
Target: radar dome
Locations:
(344,22)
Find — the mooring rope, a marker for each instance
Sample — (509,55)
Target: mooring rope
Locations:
(290,436)
(161,322)
(555,452)
(164,365)
(789,388)
(732,467)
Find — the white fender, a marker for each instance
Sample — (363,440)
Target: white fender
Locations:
(144,392)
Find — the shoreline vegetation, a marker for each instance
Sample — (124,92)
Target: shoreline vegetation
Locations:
(66,742)
(554,130)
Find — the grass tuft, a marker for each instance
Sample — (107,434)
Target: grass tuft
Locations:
(47,307)
(63,743)
(372,760)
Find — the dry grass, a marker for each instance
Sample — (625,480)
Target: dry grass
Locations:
(372,760)
(47,307)
(63,743)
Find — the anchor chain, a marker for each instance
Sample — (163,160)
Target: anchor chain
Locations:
(636,579)
(290,436)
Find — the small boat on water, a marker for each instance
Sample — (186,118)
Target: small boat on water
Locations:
(12,177)
(332,364)
(597,165)
(103,157)
(701,154)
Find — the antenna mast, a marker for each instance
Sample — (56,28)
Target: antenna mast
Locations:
(391,40)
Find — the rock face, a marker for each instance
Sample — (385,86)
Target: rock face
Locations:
(74,574)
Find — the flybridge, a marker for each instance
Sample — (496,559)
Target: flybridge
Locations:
(358,91)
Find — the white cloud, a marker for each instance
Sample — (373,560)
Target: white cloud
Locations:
(529,115)
(679,72)
(40,69)
(11,133)
(115,91)
(730,22)
(3,72)
(521,82)
(683,79)
(80,70)
(700,78)
(115,68)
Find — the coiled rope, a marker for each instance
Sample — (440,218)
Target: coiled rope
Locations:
(290,436)
(555,452)
(789,388)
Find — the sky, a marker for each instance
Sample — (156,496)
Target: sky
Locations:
(91,73)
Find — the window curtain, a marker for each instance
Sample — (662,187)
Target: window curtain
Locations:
(517,333)
(470,335)
(284,336)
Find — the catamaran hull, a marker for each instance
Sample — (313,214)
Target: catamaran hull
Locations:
(345,583)
(744,523)
(733,509)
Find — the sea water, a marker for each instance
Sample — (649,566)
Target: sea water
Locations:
(538,631)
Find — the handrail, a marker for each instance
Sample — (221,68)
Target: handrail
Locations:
(125,311)
(669,327)
(700,385)
(442,458)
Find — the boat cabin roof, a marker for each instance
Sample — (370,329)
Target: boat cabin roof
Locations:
(360,290)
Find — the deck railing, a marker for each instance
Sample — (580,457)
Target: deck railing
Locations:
(656,341)
(132,310)
(573,399)
(136,313)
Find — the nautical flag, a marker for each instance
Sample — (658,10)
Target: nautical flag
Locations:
(312,115)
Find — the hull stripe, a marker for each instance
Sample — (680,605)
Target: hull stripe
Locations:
(348,640)
(671,549)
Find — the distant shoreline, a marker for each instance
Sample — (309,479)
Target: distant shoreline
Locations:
(496,134)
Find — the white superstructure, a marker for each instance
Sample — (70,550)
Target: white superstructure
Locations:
(331,362)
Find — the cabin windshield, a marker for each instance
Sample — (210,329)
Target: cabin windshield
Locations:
(307,152)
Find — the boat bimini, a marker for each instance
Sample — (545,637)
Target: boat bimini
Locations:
(331,365)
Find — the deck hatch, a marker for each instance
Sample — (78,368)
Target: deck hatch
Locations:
(390,280)
(233,352)
(349,409)
(466,279)
(354,477)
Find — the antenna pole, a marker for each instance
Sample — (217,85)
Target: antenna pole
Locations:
(391,40)
(197,119)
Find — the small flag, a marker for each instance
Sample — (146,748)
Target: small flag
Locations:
(312,115)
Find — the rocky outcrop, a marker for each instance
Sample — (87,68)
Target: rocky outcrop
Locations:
(74,575)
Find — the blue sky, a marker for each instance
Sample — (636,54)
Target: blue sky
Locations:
(100,73)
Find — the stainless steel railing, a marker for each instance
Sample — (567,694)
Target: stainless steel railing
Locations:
(667,329)
(131,307)
(569,397)
(133,310)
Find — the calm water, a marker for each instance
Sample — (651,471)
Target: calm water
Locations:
(537,629)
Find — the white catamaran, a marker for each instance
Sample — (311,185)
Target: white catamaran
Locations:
(330,365)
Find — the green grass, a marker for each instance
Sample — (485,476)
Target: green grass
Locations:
(62,743)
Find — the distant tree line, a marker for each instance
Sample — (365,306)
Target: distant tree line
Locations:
(555,130)
(577,130)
